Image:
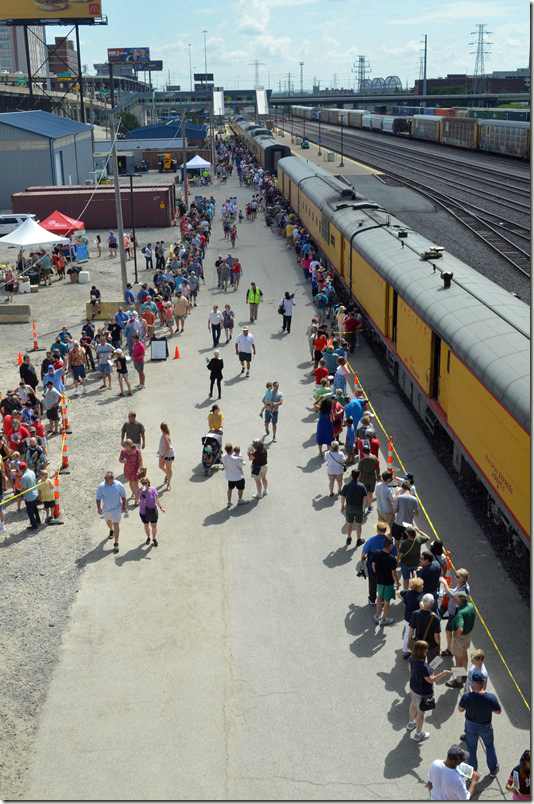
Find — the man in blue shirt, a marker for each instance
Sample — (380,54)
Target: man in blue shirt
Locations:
(111,503)
(129,298)
(55,376)
(373,544)
(479,706)
(355,409)
(121,317)
(31,497)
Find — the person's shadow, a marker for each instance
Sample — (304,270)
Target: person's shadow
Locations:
(135,554)
(339,557)
(96,554)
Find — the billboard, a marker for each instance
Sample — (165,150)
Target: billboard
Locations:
(148,65)
(49,11)
(203,76)
(218,103)
(129,55)
(261,102)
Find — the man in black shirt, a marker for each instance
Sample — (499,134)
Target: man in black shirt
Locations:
(430,572)
(27,372)
(352,495)
(10,403)
(387,581)
(425,625)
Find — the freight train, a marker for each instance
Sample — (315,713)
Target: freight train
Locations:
(458,345)
(508,137)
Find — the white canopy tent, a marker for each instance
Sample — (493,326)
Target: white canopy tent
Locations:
(30,234)
(197,162)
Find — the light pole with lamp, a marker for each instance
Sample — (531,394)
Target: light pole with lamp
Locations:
(190,71)
(205,58)
(132,213)
(341,164)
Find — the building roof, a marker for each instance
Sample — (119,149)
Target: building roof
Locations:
(104,146)
(43,123)
(171,129)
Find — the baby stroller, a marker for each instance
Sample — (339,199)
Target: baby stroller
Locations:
(211,451)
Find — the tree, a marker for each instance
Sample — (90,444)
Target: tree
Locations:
(125,121)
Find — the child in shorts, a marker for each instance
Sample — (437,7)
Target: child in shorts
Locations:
(266,401)
(46,494)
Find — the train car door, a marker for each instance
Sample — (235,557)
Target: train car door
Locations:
(393,298)
(435,367)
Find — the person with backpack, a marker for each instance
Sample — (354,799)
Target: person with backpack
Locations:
(147,251)
(321,303)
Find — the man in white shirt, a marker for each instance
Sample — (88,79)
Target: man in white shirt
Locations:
(214,322)
(244,349)
(385,499)
(287,304)
(445,782)
(233,469)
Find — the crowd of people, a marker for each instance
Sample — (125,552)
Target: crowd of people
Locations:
(398,554)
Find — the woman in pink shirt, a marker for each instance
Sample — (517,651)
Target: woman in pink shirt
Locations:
(138,357)
(149,502)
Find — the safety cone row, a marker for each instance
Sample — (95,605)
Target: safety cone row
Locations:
(57,507)
(446,597)
(390,453)
(34,336)
(64,417)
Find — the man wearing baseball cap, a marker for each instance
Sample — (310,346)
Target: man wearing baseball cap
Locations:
(445,781)
(479,706)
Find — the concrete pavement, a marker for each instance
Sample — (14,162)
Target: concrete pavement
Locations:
(239,660)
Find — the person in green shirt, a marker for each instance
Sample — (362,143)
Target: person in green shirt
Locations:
(462,628)
(410,552)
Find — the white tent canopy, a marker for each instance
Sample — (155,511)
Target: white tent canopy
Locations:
(30,234)
(198,162)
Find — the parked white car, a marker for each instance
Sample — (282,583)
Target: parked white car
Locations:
(8,223)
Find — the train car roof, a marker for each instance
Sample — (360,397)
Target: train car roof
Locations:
(485,326)
(502,123)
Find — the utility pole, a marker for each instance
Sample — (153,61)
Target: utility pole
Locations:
(116,182)
(184,159)
(256,64)
(279,86)
(205,55)
(190,71)
(362,68)
(424,61)
(479,75)
(301,65)
(289,76)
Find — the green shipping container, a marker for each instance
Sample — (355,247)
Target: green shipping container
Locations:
(488,114)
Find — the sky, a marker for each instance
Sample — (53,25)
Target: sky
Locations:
(327,35)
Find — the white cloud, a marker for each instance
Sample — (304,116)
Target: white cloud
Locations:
(413,46)
(451,12)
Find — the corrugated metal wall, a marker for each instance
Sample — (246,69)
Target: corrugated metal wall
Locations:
(24,159)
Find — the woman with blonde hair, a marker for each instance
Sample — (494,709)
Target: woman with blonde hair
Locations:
(335,466)
(411,598)
(132,459)
(149,502)
(166,453)
(340,319)
(421,689)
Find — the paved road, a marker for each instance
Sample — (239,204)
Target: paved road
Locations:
(239,660)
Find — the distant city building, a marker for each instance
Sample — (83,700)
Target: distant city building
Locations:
(63,58)
(521,72)
(13,50)
(507,82)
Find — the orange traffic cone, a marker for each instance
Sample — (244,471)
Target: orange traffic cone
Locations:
(19,360)
(446,597)
(34,336)
(57,509)
(356,382)
(65,418)
(177,355)
(390,453)
(64,452)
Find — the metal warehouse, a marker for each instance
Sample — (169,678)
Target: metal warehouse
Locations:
(37,147)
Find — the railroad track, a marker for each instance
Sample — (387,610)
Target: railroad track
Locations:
(469,215)
(389,153)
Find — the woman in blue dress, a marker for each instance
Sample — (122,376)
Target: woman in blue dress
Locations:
(325,426)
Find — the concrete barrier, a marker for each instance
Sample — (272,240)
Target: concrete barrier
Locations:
(107,309)
(15,314)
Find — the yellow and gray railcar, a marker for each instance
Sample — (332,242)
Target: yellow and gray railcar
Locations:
(458,345)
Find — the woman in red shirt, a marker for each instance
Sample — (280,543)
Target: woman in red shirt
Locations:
(138,357)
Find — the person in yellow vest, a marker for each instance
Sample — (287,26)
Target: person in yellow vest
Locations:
(254,298)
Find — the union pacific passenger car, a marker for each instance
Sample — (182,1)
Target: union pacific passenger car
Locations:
(458,344)
(267,150)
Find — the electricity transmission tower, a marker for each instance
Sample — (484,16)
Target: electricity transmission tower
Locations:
(361,68)
(256,64)
(479,75)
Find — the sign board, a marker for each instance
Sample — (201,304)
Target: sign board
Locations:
(129,55)
(21,81)
(82,252)
(63,75)
(155,66)
(104,91)
(50,11)
(261,102)
(173,88)
(203,76)
(202,87)
(218,104)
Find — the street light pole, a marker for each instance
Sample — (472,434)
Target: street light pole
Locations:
(184,157)
(341,164)
(132,211)
(190,70)
(205,58)
(116,182)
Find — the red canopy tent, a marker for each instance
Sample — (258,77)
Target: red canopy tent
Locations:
(61,224)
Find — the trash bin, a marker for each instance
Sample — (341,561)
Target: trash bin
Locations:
(33,277)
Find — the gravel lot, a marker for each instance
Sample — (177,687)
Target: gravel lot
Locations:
(40,571)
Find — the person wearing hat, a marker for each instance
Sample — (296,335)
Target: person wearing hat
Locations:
(384,565)
(10,404)
(51,399)
(374,543)
(445,782)
(28,482)
(410,479)
(369,473)
(244,349)
(462,629)
(479,705)
(55,376)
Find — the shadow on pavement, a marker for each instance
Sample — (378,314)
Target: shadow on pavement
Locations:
(321,502)
(403,760)
(96,554)
(339,557)
(135,554)
(206,404)
(312,465)
(310,441)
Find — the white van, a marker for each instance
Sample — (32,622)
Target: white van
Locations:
(8,223)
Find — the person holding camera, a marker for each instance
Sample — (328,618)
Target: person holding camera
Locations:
(286,309)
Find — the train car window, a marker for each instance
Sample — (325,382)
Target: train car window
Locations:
(325,228)
(332,240)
